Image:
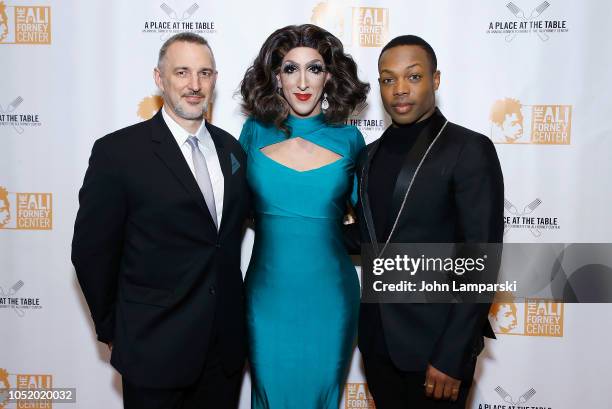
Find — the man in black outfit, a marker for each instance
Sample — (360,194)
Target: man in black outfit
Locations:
(157,240)
(424,355)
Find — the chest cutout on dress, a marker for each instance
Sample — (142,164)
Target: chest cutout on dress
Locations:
(300,155)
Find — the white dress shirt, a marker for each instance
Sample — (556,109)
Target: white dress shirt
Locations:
(207,147)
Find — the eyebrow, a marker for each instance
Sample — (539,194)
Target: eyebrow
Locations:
(189,69)
(405,69)
(308,63)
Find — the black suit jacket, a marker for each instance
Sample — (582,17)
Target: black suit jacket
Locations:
(457,196)
(155,272)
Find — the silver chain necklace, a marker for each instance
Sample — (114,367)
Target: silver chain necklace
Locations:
(399,213)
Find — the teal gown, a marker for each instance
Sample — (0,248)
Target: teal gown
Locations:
(302,289)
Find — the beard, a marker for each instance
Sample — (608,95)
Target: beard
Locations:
(180,110)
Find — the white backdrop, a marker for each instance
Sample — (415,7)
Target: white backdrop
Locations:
(73,71)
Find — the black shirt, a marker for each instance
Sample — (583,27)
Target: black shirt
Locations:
(395,144)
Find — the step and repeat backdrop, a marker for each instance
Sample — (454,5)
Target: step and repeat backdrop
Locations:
(531,74)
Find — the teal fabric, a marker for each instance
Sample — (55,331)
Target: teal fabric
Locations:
(302,289)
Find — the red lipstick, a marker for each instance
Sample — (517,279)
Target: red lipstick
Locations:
(302,97)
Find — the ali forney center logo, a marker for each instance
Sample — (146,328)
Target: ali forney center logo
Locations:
(521,18)
(172,19)
(24,381)
(533,317)
(355,26)
(513,122)
(148,106)
(25,24)
(357,395)
(25,211)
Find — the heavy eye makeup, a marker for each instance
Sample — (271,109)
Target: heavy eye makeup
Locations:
(291,67)
(316,68)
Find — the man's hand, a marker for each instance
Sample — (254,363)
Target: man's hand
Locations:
(440,386)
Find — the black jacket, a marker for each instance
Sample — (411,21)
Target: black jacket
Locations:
(457,197)
(153,268)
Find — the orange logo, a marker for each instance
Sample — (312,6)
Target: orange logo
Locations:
(372,26)
(507,116)
(4,22)
(331,15)
(543,318)
(534,318)
(357,395)
(26,211)
(4,384)
(361,26)
(26,381)
(25,24)
(551,124)
(149,106)
(515,123)
(503,317)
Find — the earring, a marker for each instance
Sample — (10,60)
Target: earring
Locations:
(324,102)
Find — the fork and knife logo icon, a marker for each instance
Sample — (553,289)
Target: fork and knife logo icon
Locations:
(508,398)
(527,210)
(520,14)
(10,293)
(173,15)
(9,109)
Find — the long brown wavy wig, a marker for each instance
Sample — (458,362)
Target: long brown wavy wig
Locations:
(258,88)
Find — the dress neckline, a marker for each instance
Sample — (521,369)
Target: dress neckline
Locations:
(304,126)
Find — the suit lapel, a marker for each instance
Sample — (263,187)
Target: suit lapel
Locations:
(166,148)
(223,153)
(410,164)
(364,197)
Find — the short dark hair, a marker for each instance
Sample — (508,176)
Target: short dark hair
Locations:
(187,37)
(259,86)
(413,40)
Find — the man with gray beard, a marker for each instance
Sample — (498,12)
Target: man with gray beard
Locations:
(157,239)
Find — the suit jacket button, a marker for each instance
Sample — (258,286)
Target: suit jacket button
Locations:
(211,290)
